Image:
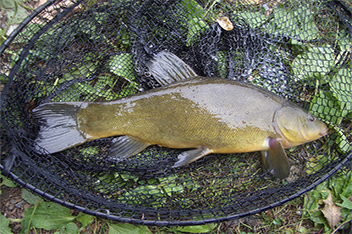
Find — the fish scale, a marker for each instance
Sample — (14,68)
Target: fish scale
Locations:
(210,115)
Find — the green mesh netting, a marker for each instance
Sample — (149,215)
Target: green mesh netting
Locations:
(98,51)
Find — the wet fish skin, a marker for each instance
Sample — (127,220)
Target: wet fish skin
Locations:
(185,115)
(212,115)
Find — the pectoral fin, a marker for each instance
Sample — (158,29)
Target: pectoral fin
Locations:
(125,146)
(191,155)
(275,160)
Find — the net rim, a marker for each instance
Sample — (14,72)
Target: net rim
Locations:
(7,171)
(108,216)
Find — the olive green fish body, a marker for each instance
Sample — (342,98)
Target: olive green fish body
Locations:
(223,115)
(209,115)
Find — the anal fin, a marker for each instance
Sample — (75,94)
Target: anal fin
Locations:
(191,155)
(275,160)
(125,146)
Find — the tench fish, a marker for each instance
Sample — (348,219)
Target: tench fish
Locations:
(203,115)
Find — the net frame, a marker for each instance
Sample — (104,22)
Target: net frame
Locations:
(128,214)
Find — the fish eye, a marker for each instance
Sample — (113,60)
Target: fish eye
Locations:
(311,118)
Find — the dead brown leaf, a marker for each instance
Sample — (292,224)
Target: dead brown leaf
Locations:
(225,23)
(331,212)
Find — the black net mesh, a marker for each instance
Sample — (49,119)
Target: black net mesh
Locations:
(97,50)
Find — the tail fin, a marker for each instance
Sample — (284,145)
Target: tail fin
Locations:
(60,130)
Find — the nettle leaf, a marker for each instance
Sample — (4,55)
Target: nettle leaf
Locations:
(317,61)
(122,228)
(51,216)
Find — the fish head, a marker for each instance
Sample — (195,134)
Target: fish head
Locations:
(297,126)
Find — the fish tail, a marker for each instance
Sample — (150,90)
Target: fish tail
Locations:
(59,130)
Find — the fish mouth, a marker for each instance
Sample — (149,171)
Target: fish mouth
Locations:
(324,132)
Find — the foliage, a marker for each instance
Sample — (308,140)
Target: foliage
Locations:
(330,204)
(15,12)
(4,225)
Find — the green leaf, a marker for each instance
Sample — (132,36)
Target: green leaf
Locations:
(85,219)
(318,217)
(341,85)
(337,184)
(14,11)
(195,27)
(51,216)
(127,177)
(254,19)
(347,189)
(26,221)
(5,181)
(327,107)
(222,66)
(345,41)
(68,228)
(317,61)
(4,225)
(308,29)
(342,141)
(193,16)
(122,65)
(297,23)
(346,203)
(169,185)
(312,199)
(90,151)
(192,9)
(29,197)
(28,32)
(197,229)
(346,214)
(2,36)
(122,228)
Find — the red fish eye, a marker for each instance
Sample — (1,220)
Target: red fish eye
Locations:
(311,118)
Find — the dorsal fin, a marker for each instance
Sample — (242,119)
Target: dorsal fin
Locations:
(167,68)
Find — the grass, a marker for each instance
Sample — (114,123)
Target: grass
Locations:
(25,213)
